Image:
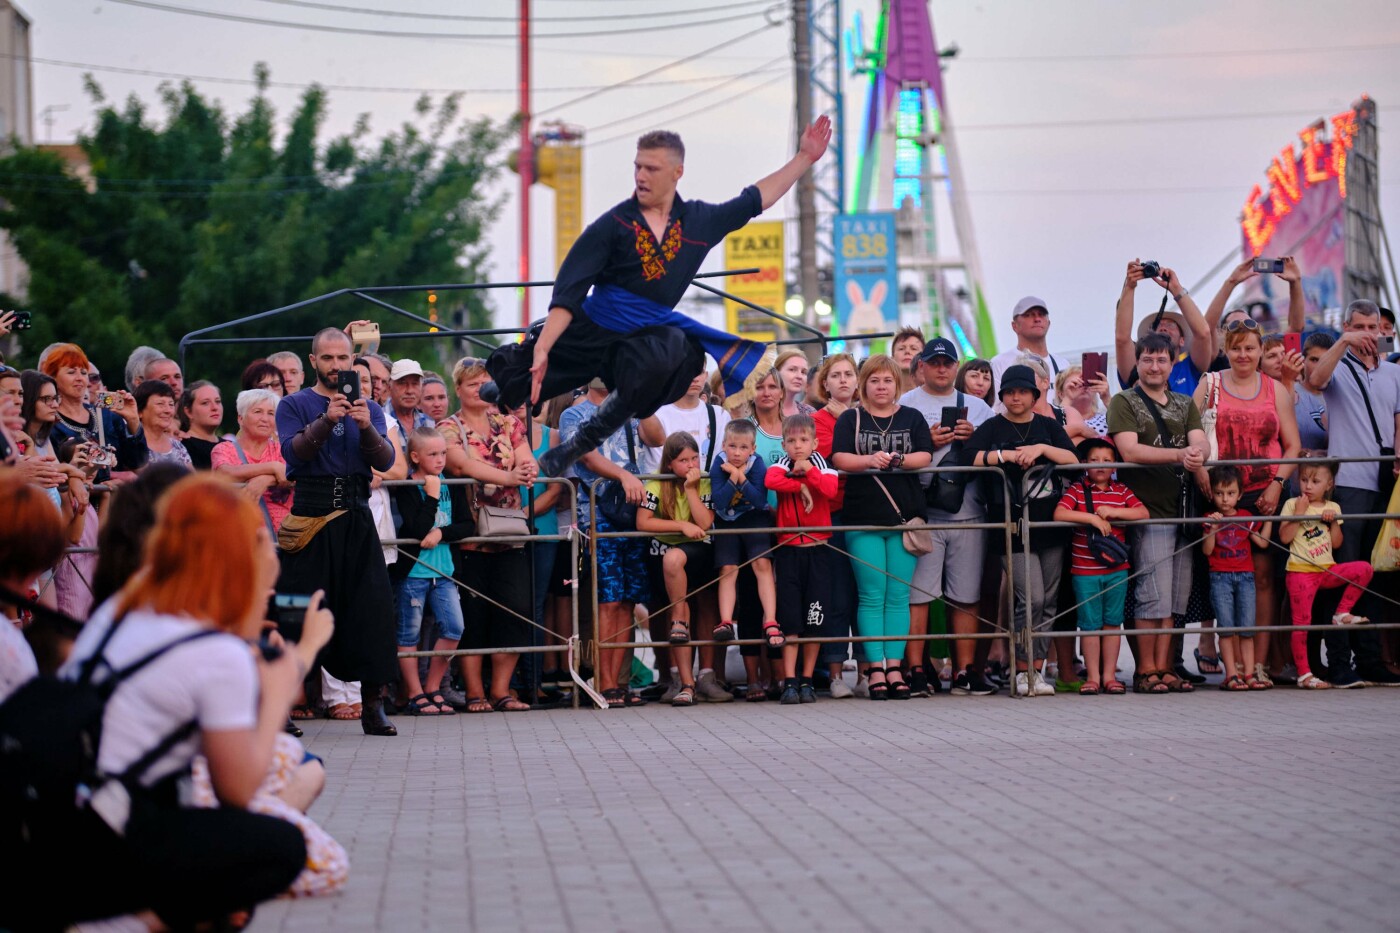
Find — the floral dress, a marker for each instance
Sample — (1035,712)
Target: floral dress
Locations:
(496,449)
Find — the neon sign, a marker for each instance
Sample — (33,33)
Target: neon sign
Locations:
(1290,175)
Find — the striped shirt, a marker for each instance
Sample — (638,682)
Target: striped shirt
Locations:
(1117,496)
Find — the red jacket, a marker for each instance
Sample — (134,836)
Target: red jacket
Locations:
(821,480)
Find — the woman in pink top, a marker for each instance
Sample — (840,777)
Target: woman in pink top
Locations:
(1254,421)
(255,458)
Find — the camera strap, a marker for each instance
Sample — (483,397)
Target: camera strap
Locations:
(1366,397)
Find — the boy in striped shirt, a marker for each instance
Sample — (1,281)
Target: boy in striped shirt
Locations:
(1100,581)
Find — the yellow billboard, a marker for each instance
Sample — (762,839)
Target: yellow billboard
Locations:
(757,246)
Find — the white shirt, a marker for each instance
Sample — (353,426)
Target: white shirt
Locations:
(1012,357)
(212,681)
(931,407)
(694,421)
(17,663)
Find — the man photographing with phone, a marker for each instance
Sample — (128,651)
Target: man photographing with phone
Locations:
(332,438)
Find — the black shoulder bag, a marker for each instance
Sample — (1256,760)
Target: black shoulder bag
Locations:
(945,491)
(1186,497)
(612,498)
(1106,549)
(1385,471)
(714,441)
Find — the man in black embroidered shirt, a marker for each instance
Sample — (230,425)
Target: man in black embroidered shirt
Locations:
(638,259)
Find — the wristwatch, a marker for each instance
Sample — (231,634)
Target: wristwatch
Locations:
(1283,483)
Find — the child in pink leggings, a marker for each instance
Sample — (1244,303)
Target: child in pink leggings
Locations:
(1310,566)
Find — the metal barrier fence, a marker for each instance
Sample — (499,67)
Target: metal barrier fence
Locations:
(992,629)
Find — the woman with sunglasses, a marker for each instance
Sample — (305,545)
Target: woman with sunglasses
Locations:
(1254,421)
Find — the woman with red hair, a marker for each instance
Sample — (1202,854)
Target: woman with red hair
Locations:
(31,542)
(110,421)
(197,603)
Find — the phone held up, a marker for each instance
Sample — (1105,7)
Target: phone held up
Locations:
(365,333)
(348,385)
(1293,343)
(1266,266)
(952,414)
(24,320)
(289,612)
(1385,346)
(1095,367)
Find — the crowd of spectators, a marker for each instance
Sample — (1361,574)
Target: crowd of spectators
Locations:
(134,507)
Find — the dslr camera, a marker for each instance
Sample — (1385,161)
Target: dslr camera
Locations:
(1151,269)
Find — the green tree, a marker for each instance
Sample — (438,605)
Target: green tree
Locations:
(196,219)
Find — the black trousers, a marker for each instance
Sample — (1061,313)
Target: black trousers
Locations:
(504,576)
(346,560)
(188,865)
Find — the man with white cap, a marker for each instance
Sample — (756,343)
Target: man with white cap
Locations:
(1192,347)
(405,389)
(1031,322)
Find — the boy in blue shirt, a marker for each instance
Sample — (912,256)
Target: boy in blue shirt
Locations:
(741,501)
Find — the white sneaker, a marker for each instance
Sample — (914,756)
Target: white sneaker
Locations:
(861,689)
(841,690)
(1023,687)
(1040,686)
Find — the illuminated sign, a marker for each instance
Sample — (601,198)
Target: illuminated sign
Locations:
(755,246)
(1291,174)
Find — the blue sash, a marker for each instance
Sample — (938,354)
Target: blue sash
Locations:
(740,361)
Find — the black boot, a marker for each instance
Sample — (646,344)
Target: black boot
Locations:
(609,417)
(372,718)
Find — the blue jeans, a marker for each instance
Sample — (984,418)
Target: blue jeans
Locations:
(441,593)
(1232,595)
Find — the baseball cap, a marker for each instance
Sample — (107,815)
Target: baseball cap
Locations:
(403,368)
(1018,377)
(1028,302)
(939,346)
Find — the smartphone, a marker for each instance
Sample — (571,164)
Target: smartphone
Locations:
(1263,265)
(107,400)
(952,414)
(1293,343)
(350,386)
(1095,366)
(289,612)
(365,333)
(23,320)
(1385,346)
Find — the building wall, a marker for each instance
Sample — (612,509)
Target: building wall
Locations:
(16,122)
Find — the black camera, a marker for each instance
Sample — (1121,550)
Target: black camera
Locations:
(24,320)
(1151,269)
(289,612)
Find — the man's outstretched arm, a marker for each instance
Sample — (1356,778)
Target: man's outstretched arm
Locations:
(814,142)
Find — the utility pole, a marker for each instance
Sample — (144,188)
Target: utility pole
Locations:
(526,161)
(806,185)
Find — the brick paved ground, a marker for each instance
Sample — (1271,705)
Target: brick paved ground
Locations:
(1277,810)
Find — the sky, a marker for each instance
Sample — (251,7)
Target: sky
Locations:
(1091,132)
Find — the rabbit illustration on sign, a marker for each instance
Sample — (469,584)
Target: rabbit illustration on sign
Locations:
(867,314)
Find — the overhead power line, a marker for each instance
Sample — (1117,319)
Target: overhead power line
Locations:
(677,118)
(1204,53)
(391,34)
(476,18)
(767,66)
(1181,118)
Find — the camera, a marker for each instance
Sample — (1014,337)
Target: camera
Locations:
(289,612)
(24,320)
(1151,269)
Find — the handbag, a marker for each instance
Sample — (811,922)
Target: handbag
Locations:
(612,497)
(1106,549)
(1209,416)
(916,537)
(494,521)
(945,490)
(1385,556)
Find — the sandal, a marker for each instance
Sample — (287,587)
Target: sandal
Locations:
(1312,682)
(724,632)
(1176,684)
(774,633)
(479,705)
(303,711)
(509,704)
(685,697)
(1150,682)
(1234,683)
(899,689)
(1254,683)
(1261,674)
(880,691)
(343,711)
(1090,688)
(755,693)
(444,708)
(1207,663)
(621,696)
(680,632)
(426,708)
(1115,687)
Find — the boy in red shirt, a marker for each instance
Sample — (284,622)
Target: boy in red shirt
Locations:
(1227,548)
(1099,574)
(805,485)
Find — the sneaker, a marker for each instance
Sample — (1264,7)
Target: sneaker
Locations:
(1344,678)
(1023,684)
(840,690)
(970,683)
(1380,677)
(861,689)
(807,693)
(707,688)
(790,696)
(918,683)
(454,697)
(1288,674)
(1040,686)
(673,688)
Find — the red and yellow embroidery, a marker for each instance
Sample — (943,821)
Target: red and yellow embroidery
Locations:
(653,267)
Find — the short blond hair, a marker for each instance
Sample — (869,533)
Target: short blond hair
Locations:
(878,363)
(468,367)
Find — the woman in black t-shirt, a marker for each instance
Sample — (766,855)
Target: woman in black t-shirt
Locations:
(1017,441)
(887,439)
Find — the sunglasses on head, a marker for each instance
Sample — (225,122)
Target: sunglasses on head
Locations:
(1249,324)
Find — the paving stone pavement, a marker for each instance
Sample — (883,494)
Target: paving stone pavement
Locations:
(1276,810)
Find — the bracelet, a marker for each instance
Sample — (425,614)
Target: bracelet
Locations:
(1283,483)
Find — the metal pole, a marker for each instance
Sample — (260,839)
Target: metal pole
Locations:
(527,161)
(807,184)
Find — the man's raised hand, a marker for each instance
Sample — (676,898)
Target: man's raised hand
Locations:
(816,138)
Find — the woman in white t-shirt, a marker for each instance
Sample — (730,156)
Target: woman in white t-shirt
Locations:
(210,566)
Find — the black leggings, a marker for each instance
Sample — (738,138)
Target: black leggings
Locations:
(188,865)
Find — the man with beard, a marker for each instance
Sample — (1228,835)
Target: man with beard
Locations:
(329,542)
